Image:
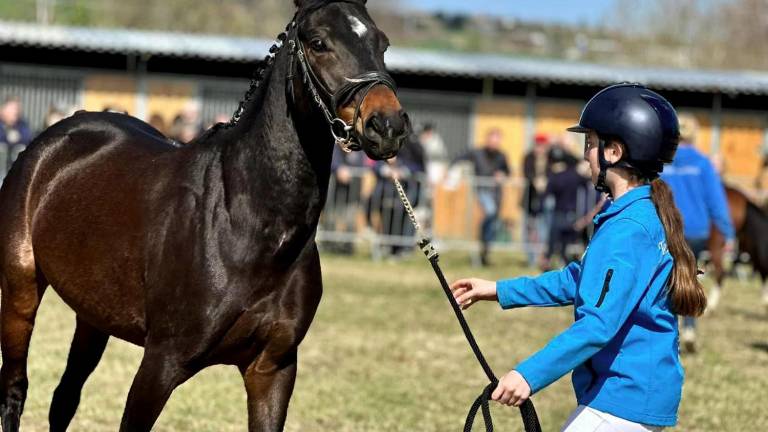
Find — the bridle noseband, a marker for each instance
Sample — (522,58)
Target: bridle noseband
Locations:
(345,135)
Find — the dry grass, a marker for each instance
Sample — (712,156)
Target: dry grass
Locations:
(386,354)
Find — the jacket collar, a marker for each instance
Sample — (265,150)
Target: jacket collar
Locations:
(624,201)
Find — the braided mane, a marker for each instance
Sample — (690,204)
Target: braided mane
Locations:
(254,89)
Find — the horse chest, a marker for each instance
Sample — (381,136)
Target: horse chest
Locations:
(276,323)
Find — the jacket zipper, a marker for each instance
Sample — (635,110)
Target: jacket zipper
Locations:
(606,284)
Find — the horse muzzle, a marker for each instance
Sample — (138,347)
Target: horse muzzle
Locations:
(385,133)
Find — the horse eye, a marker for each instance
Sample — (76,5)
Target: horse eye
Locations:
(318,45)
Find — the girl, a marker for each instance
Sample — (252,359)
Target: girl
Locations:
(636,276)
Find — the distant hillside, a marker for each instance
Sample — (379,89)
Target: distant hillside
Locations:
(670,33)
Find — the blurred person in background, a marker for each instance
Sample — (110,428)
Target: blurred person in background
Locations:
(435,155)
(491,171)
(760,179)
(185,133)
(15,133)
(187,125)
(158,122)
(535,171)
(220,118)
(55,114)
(408,167)
(567,187)
(700,196)
(344,198)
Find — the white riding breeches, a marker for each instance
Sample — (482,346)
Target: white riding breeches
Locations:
(586,419)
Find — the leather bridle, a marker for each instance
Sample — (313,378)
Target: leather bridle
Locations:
(344,134)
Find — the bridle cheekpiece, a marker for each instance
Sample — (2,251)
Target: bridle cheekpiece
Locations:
(345,135)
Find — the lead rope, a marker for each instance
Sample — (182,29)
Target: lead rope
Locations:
(527,411)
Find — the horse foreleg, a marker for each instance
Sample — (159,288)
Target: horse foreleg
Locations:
(87,347)
(22,292)
(159,374)
(715,293)
(717,255)
(269,383)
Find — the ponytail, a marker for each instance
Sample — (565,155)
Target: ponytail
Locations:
(685,291)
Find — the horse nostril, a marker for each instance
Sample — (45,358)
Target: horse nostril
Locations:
(394,126)
(376,123)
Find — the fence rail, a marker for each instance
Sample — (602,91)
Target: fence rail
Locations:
(364,211)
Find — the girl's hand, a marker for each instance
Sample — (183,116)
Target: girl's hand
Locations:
(512,390)
(467,292)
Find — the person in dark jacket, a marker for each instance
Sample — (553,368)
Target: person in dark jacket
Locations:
(344,198)
(491,170)
(409,168)
(535,171)
(566,186)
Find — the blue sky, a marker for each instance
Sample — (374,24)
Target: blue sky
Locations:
(561,11)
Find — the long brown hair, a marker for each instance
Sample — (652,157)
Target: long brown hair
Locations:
(685,291)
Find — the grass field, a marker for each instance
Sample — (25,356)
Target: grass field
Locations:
(386,354)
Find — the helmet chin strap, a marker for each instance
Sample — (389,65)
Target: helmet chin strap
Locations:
(601,186)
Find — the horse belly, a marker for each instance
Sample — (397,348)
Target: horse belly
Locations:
(87,246)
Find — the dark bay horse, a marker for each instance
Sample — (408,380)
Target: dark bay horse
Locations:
(751,225)
(203,254)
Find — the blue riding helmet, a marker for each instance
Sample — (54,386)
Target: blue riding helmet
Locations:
(641,119)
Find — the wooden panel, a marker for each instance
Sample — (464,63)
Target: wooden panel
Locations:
(741,141)
(703,139)
(110,91)
(553,118)
(508,116)
(454,214)
(458,214)
(167,98)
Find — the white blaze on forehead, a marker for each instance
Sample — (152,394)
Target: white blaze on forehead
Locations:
(357,26)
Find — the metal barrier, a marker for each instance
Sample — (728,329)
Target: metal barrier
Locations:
(364,211)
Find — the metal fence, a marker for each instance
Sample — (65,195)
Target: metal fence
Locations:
(364,213)
(40,89)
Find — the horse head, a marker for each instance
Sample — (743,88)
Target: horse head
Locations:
(339,55)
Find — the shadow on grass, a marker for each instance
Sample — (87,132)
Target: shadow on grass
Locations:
(760,346)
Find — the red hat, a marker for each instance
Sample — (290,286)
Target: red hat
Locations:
(541,138)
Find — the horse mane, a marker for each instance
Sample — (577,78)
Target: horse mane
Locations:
(254,87)
(254,91)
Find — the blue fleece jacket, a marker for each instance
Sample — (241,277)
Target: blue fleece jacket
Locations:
(623,345)
(698,194)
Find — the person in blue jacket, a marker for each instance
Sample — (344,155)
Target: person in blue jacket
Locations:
(637,275)
(700,196)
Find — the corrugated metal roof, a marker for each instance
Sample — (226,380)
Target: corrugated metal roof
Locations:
(134,42)
(398,59)
(568,72)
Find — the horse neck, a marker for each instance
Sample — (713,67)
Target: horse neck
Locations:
(277,164)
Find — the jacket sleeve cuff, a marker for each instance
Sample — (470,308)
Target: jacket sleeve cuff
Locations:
(534,379)
(506,292)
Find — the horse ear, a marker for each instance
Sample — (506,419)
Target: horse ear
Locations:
(298,3)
